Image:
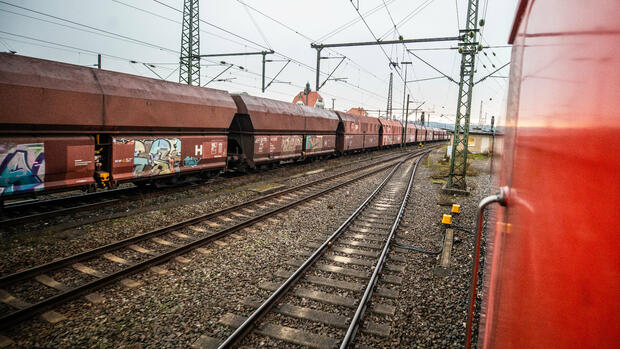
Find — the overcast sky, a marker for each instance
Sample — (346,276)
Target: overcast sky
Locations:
(149,31)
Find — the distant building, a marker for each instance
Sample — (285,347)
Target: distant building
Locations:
(314,99)
(479,142)
(358,111)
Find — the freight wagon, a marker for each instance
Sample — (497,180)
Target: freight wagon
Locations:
(65,126)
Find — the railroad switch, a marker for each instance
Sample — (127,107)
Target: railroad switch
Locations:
(446,219)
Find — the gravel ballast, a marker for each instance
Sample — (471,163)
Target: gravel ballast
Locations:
(174,309)
(33,244)
(174,306)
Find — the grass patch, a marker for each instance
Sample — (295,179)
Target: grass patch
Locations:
(441,170)
(471,156)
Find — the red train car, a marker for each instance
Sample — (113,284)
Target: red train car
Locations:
(391,132)
(553,274)
(420,133)
(350,135)
(410,136)
(372,131)
(66,126)
(269,131)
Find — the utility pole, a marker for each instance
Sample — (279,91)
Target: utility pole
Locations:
(333,101)
(404,140)
(389,98)
(468,48)
(405,85)
(189,61)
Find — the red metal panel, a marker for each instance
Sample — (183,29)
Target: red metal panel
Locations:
(353,137)
(38,94)
(320,120)
(34,164)
(122,159)
(386,137)
(397,132)
(353,142)
(370,127)
(271,115)
(392,132)
(418,133)
(319,144)
(203,152)
(135,156)
(411,133)
(134,102)
(554,277)
(371,141)
(268,148)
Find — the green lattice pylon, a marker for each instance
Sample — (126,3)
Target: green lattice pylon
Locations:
(468,48)
(189,69)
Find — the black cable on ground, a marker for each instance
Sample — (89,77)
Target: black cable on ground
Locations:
(421,250)
(458,227)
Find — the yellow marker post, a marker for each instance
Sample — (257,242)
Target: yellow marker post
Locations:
(456,208)
(447,219)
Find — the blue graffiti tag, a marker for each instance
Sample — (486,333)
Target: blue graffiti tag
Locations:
(22,169)
(190,161)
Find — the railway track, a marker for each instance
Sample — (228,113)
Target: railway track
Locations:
(324,300)
(147,250)
(30,210)
(27,211)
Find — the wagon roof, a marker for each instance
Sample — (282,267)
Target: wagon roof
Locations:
(269,114)
(46,94)
(392,123)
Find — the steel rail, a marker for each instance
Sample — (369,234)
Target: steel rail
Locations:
(28,312)
(248,325)
(361,308)
(57,264)
(86,204)
(31,205)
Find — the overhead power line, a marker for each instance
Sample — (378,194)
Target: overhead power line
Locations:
(284,25)
(88,26)
(215,26)
(176,22)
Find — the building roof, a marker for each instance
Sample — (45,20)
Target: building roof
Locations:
(358,111)
(313,97)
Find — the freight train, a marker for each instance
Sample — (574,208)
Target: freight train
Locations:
(552,268)
(66,127)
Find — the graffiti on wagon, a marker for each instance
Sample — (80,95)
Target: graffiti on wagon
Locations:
(22,168)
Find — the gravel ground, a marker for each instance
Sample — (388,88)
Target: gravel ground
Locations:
(39,243)
(174,309)
(431,311)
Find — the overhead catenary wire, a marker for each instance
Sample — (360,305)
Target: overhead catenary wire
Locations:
(117,36)
(247,6)
(380,46)
(88,26)
(408,17)
(351,22)
(260,31)
(179,22)
(299,63)
(109,34)
(215,26)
